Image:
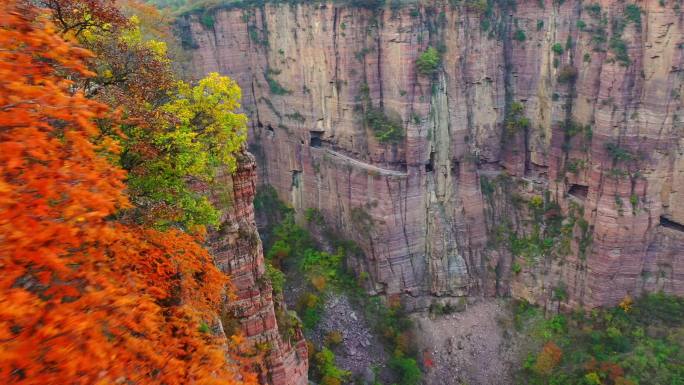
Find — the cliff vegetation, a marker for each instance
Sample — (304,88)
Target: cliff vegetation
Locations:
(104,277)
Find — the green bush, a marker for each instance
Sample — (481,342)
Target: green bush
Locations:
(207,20)
(275,87)
(633,14)
(385,128)
(326,369)
(314,216)
(408,370)
(619,49)
(519,35)
(618,153)
(428,61)
(516,121)
(557,49)
(594,10)
(276,277)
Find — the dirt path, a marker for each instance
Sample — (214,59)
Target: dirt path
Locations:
(475,347)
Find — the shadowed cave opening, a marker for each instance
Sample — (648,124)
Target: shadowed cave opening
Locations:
(579,191)
(430,166)
(670,224)
(296,178)
(315,138)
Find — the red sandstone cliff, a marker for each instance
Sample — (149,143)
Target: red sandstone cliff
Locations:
(604,139)
(237,251)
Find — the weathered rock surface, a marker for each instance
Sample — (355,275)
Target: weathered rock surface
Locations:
(477,346)
(237,251)
(604,139)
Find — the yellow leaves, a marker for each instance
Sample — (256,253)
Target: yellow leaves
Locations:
(626,303)
(209,109)
(133,36)
(158,47)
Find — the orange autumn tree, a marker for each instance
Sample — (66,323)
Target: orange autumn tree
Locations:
(84,299)
(548,358)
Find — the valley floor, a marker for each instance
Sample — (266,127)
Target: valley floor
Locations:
(477,346)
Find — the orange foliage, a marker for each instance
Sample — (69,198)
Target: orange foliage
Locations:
(609,370)
(84,299)
(548,358)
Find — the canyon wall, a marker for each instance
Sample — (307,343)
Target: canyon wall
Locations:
(237,251)
(543,159)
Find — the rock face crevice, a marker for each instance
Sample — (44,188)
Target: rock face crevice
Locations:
(474,200)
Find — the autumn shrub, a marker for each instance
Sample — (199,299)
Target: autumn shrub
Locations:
(326,369)
(548,358)
(333,338)
(310,307)
(174,136)
(319,282)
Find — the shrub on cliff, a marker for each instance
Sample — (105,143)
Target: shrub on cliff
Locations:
(428,61)
(557,49)
(567,74)
(519,35)
(516,121)
(385,128)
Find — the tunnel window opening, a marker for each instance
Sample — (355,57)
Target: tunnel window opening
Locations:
(296,178)
(430,166)
(670,224)
(270,128)
(579,191)
(456,169)
(315,138)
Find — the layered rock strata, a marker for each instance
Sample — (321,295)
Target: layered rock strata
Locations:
(543,159)
(237,251)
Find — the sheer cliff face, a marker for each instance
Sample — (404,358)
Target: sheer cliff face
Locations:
(237,250)
(578,198)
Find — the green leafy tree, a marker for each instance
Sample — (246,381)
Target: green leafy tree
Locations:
(203,134)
